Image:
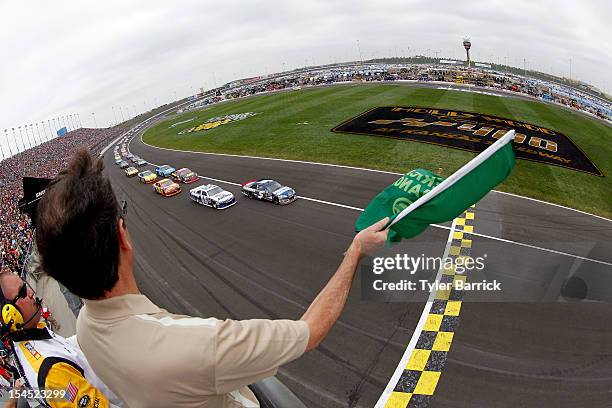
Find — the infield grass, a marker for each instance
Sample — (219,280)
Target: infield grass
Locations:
(296,125)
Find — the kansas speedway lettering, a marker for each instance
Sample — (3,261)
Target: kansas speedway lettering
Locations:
(469,131)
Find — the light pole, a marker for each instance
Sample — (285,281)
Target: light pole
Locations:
(33,135)
(21,137)
(50,131)
(38,132)
(114,115)
(37,140)
(35,143)
(8,142)
(1,149)
(15,139)
(32,142)
(27,136)
(93,115)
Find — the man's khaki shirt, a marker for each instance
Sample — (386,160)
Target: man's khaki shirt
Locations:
(152,358)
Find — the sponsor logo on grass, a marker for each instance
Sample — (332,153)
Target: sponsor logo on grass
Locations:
(218,121)
(470,131)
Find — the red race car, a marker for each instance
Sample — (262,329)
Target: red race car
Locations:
(184,175)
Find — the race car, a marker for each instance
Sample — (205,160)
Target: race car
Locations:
(129,156)
(147,177)
(124,164)
(269,190)
(118,160)
(165,170)
(140,162)
(212,196)
(134,159)
(166,187)
(131,171)
(184,175)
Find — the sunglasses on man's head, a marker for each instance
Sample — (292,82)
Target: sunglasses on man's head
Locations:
(22,293)
(122,210)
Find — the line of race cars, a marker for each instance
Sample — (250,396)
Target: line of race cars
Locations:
(166,181)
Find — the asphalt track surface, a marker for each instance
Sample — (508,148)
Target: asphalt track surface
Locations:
(258,260)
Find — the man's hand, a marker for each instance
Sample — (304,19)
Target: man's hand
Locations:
(371,239)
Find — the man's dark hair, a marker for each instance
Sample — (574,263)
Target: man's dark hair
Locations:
(76,231)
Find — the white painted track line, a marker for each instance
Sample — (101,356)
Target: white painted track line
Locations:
(362,169)
(553,251)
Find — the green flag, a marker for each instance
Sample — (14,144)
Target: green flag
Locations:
(420,198)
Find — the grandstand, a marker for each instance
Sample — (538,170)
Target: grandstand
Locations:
(435,72)
(44,160)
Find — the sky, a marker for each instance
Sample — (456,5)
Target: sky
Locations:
(102,60)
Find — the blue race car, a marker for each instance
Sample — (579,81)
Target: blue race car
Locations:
(269,190)
(165,170)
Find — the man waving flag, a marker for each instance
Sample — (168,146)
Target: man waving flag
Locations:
(420,198)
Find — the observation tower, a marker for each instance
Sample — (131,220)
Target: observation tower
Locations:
(467,45)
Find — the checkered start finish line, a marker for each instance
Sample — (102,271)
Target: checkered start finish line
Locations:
(418,382)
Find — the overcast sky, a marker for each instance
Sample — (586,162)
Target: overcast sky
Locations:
(66,57)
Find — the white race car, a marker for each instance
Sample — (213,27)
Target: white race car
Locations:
(212,196)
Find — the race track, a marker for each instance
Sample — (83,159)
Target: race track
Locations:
(258,260)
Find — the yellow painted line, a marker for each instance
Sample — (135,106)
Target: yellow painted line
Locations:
(443,341)
(433,322)
(398,400)
(453,307)
(418,359)
(442,294)
(427,383)
(461,278)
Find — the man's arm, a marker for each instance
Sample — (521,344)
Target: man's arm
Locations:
(325,310)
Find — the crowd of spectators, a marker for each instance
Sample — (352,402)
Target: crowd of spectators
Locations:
(547,91)
(44,160)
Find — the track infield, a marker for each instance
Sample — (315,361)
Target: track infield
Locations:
(297,125)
